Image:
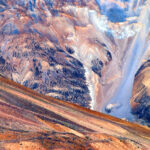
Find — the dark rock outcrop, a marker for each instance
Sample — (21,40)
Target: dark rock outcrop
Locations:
(140,100)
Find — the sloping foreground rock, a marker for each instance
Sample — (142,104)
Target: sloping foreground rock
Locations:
(31,121)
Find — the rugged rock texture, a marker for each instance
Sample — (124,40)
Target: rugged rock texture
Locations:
(140,100)
(45,46)
(31,121)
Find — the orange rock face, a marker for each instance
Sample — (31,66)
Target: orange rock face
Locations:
(31,121)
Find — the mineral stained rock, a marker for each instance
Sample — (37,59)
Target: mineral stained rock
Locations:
(140,100)
(81,51)
(31,121)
